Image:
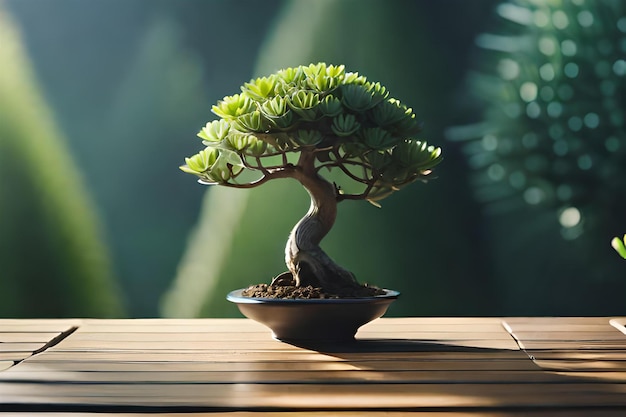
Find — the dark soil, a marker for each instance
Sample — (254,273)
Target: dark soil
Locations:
(309,292)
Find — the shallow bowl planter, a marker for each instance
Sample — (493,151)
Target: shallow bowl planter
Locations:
(330,319)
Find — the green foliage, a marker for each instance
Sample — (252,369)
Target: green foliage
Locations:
(619,245)
(340,116)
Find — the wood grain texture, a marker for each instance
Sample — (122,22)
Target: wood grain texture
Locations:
(591,349)
(448,366)
(20,339)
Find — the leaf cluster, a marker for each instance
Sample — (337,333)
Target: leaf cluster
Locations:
(347,122)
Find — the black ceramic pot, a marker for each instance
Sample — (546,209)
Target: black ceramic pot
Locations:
(335,319)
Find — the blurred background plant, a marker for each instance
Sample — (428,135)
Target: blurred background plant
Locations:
(128,82)
(52,259)
(550,151)
(120,88)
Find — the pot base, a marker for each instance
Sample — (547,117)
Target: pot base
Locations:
(302,320)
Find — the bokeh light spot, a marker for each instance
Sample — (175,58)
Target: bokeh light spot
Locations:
(533,110)
(570,217)
(571,70)
(490,142)
(559,19)
(554,109)
(568,47)
(575,123)
(546,72)
(619,67)
(541,18)
(585,18)
(547,46)
(534,195)
(528,91)
(591,120)
(508,69)
(585,162)
(496,172)
(612,144)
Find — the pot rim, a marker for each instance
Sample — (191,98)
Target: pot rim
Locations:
(236,297)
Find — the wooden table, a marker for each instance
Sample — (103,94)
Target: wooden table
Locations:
(399,366)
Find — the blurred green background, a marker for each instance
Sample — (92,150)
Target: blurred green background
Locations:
(100,102)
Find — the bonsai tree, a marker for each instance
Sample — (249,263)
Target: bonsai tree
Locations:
(341,136)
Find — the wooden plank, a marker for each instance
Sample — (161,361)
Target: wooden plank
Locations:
(20,347)
(587,376)
(583,355)
(295,366)
(14,356)
(586,365)
(123,336)
(354,376)
(17,337)
(561,333)
(562,326)
(321,397)
(612,335)
(37,325)
(235,325)
(172,326)
(573,344)
(245,336)
(417,321)
(420,326)
(548,321)
(582,365)
(265,356)
(70,345)
(257,345)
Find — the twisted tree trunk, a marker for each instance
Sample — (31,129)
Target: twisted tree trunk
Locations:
(308,264)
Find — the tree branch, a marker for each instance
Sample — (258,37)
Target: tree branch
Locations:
(283,172)
(341,164)
(362,196)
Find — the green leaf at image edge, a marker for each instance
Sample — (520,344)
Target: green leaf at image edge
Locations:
(620,246)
